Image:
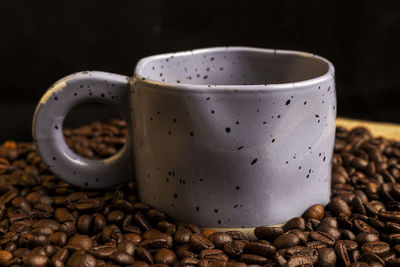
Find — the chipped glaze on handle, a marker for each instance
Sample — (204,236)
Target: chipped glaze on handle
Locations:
(73,90)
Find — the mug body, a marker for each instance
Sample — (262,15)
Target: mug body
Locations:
(233,137)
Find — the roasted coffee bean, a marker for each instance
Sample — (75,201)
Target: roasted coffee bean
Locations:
(268,233)
(154,215)
(299,261)
(103,252)
(120,257)
(220,239)
(111,233)
(253,259)
(342,254)
(155,243)
(235,248)
(84,224)
(80,258)
(286,241)
(58,239)
(295,223)
(143,254)
(238,235)
(141,221)
(338,205)
(365,237)
(297,251)
(5,257)
(127,247)
(371,257)
(260,249)
(165,256)
(133,237)
(82,241)
(326,257)
(35,260)
(199,242)
(314,212)
(376,247)
(322,237)
(99,222)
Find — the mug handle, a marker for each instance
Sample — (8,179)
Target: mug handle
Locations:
(73,90)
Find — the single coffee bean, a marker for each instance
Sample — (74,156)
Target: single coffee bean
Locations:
(115,216)
(238,235)
(120,257)
(323,237)
(376,247)
(155,243)
(329,222)
(299,261)
(199,242)
(182,235)
(316,244)
(234,248)
(5,257)
(127,247)
(253,259)
(60,256)
(286,241)
(296,251)
(347,234)
(314,212)
(58,239)
(141,221)
(260,249)
(35,260)
(338,205)
(268,233)
(111,233)
(133,237)
(84,224)
(326,257)
(81,259)
(143,254)
(371,257)
(189,261)
(165,256)
(82,241)
(103,252)
(365,237)
(99,222)
(220,239)
(342,255)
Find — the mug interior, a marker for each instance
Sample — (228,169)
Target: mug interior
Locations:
(232,66)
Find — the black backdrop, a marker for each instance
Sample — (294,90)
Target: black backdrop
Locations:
(42,41)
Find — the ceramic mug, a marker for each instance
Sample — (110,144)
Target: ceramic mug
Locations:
(220,137)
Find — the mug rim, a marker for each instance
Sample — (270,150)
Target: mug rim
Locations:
(228,87)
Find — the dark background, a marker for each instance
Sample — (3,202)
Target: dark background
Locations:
(42,41)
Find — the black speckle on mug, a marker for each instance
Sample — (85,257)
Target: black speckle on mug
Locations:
(273,140)
(197,208)
(221,69)
(174,120)
(151,118)
(299,167)
(215,210)
(75,94)
(86,184)
(102,95)
(309,147)
(54,158)
(189,78)
(287,162)
(175,195)
(307,176)
(207,98)
(178,81)
(237,187)
(55,98)
(237,123)
(81,86)
(316,115)
(201,180)
(324,159)
(227,129)
(212,59)
(74,172)
(264,122)
(205,77)
(319,87)
(191,133)
(253,161)
(167,180)
(287,102)
(278,116)
(97,180)
(235,206)
(305,103)
(207,69)
(239,148)
(56,127)
(212,111)
(219,222)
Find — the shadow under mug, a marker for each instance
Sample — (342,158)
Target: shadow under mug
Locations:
(220,137)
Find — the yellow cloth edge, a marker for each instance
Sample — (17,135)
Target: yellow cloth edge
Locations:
(389,131)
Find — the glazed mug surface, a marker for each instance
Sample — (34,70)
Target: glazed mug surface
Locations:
(220,137)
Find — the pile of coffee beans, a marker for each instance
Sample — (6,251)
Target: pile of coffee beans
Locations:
(45,221)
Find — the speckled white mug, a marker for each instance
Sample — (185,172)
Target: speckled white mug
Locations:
(221,137)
